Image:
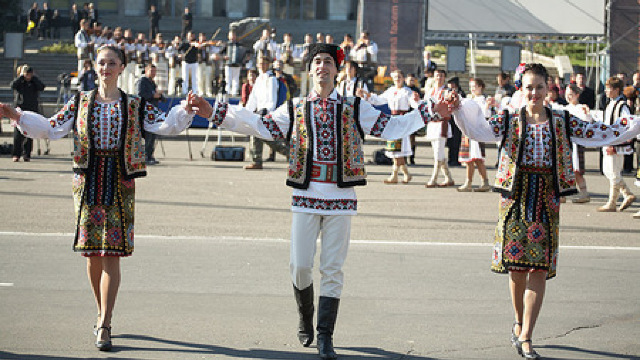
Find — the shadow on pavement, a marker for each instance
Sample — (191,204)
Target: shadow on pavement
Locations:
(577,351)
(187,347)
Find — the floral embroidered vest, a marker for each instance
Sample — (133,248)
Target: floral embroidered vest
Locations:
(512,148)
(350,137)
(131,147)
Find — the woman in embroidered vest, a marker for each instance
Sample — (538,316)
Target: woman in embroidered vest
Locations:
(535,170)
(471,152)
(325,133)
(400,99)
(109,154)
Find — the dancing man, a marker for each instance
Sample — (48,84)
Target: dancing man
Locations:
(325,132)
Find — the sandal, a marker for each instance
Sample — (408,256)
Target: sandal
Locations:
(527,354)
(95,327)
(104,345)
(514,337)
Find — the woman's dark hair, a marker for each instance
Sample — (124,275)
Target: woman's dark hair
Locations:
(116,50)
(536,69)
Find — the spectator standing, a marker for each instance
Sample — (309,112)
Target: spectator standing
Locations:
(247,87)
(347,45)
(504,88)
(27,88)
(33,16)
(43,27)
(55,24)
(305,82)
(587,95)
(352,82)
(83,43)
(263,100)
(187,22)
(92,13)
(154,22)
(365,53)
(147,90)
(75,16)
(87,81)
(48,14)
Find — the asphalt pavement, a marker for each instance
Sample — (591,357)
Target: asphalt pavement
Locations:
(209,275)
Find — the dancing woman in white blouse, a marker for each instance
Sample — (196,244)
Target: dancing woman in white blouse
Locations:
(400,99)
(108,155)
(535,170)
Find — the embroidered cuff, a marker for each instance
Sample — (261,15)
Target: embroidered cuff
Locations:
(427,112)
(219,113)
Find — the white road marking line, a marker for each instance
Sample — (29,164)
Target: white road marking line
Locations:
(358,242)
(6,284)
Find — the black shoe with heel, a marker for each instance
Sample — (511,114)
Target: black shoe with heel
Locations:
(532,354)
(514,337)
(104,345)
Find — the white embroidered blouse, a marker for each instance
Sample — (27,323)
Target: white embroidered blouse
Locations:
(108,126)
(471,121)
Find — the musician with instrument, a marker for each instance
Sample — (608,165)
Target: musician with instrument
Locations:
(234,56)
(172,55)
(189,52)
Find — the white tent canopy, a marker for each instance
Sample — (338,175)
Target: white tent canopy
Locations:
(518,17)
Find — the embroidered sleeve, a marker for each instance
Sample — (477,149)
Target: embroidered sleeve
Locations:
(171,123)
(36,126)
(598,134)
(272,127)
(152,114)
(378,124)
(219,113)
(238,119)
(471,121)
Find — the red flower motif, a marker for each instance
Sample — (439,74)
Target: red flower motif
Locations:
(340,56)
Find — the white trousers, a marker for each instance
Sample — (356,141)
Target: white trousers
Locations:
(232,77)
(189,72)
(174,74)
(336,231)
(438,149)
(612,167)
(204,79)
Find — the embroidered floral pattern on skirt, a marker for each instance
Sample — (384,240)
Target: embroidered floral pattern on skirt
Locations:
(104,205)
(527,233)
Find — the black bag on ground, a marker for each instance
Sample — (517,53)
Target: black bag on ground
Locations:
(228,153)
(379,158)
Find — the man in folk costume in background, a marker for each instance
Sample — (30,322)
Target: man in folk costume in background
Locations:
(325,132)
(613,156)
(438,133)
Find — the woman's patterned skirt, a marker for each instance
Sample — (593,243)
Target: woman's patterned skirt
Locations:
(526,237)
(104,206)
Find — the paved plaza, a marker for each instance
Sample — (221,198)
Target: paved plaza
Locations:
(209,276)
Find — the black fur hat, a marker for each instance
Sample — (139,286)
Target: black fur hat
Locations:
(334,50)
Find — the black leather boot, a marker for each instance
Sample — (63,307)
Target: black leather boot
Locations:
(327,315)
(412,158)
(304,299)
